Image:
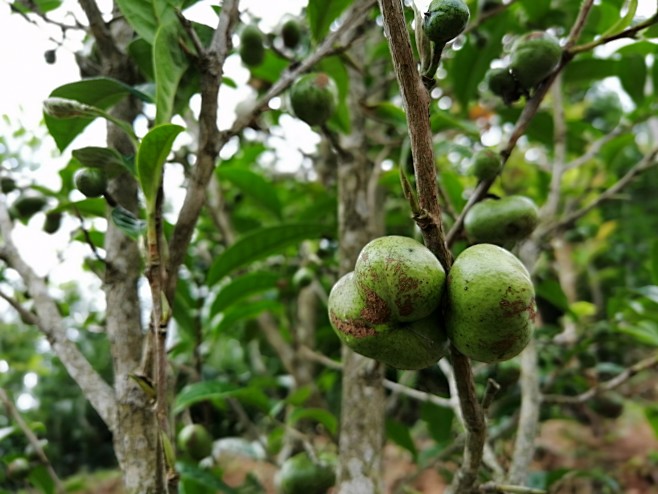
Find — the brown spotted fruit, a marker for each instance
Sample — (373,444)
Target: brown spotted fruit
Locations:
(490,304)
(387,308)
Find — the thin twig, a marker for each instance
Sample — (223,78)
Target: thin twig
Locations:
(626,33)
(491,487)
(32,439)
(309,354)
(609,385)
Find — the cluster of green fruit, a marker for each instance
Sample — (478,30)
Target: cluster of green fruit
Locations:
(399,307)
(253,41)
(533,58)
(92,182)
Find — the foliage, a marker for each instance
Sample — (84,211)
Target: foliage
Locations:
(236,314)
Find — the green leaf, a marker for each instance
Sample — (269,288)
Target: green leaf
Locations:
(238,313)
(625,21)
(321,13)
(633,75)
(653,262)
(439,421)
(320,415)
(477,59)
(128,223)
(151,156)
(259,244)
(108,160)
(645,332)
(145,16)
(202,391)
(400,434)
(259,189)
(551,290)
(587,69)
(169,63)
(99,92)
(271,68)
(243,287)
(651,413)
(453,188)
(207,481)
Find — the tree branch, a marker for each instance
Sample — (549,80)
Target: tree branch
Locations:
(51,324)
(211,141)
(609,385)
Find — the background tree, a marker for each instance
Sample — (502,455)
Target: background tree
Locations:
(212,261)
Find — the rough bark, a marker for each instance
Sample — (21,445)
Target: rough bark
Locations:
(363,402)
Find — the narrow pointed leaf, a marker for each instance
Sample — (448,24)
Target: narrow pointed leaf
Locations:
(260,244)
(151,156)
(254,185)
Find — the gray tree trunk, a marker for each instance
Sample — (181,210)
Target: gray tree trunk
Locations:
(361,438)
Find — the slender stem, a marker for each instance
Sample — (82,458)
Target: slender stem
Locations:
(32,439)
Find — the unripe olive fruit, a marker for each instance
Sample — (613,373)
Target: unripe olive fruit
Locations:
(491,304)
(18,469)
(401,276)
(534,56)
(300,475)
(501,221)
(195,441)
(387,308)
(486,164)
(313,98)
(7,185)
(252,48)
(502,83)
(52,222)
(445,20)
(28,205)
(92,182)
(413,345)
(291,33)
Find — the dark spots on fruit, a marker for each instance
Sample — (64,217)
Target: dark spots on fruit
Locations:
(375,310)
(355,328)
(512,308)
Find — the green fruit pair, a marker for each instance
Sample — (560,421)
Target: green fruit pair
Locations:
(313,98)
(252,46)
(92,182)
(501,221)
(490,304)
(195,441)
(386,309)
(534,57)
(445,20)
(300,475)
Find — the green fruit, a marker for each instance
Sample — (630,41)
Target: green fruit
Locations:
(399,276)
(534,56)
(313,98)
(299,475)
(27,206)
(7,185)
(302,277)
(92,182)
(195,441)
(252,48)
(501,221)
(18,469)
(52,222)
(291,33)
(445,20)
(413,345)
(501,83)
(486,164)
(491,304)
